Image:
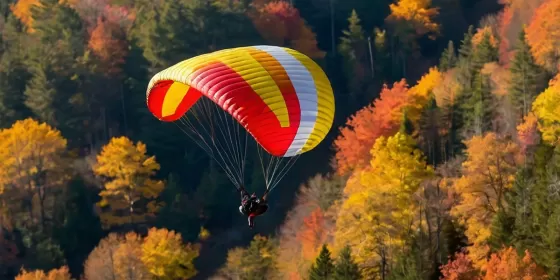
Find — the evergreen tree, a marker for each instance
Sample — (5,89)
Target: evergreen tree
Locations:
(406,124)
(448,58)
(478,107)
(464,77)
(13,73)
(484,52)
(466,49)
(545,209)
(429,131)
(58,43)
(346,268)
(323,267)
(526,77)
(353,50)
(352,37)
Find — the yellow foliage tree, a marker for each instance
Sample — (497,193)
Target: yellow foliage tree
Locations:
(62,273)
(166,257)
(127,259)
(488,172)
(378,213)
(420,93)
(547,109)
(160,255)
(31,163)
(116,257)
(446,91)
(129,172)
(414,14)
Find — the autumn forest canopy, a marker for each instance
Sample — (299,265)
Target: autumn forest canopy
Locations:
(443,161)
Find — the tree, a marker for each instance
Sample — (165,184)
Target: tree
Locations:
(115,257)
(31,160)
(281,24)
(323,267)
(317,195)
(526,77)
(500,79)
(128,172)
(253,263)
(23,11)
(108,43)
(165,256)
(527,133)
(448,58)
(382,118)
(479,107)
(313,234)
(353,48)
(429,132)
(446,97)
(379,211)
(480,35)
(515,15)
(506,264)
(542,35)
(464,63)
(13,73)
(409,20)
(414,16)
(461,268)
(55,274)
(128,258)
(488,173)
(420,93)
(345,267)
(547,109)
(485,49)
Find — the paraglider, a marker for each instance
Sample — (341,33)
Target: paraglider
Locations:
(277,95)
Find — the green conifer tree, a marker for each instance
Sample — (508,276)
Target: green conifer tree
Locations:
(526,77)
(323,268)
(448,58)
(346,268)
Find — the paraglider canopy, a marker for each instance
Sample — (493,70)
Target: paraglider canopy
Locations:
(279,96)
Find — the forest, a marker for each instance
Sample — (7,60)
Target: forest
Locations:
(443,161)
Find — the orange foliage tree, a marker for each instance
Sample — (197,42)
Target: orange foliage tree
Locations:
(312,209)
(515,14)
(280,24)
(461,268)
(543,35)
(313,234)
(107,41)
(488,172)
(507,264)
(22,10)
(382,118)
(527,133)
(62,273)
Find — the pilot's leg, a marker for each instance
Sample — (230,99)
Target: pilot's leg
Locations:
(251,223)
